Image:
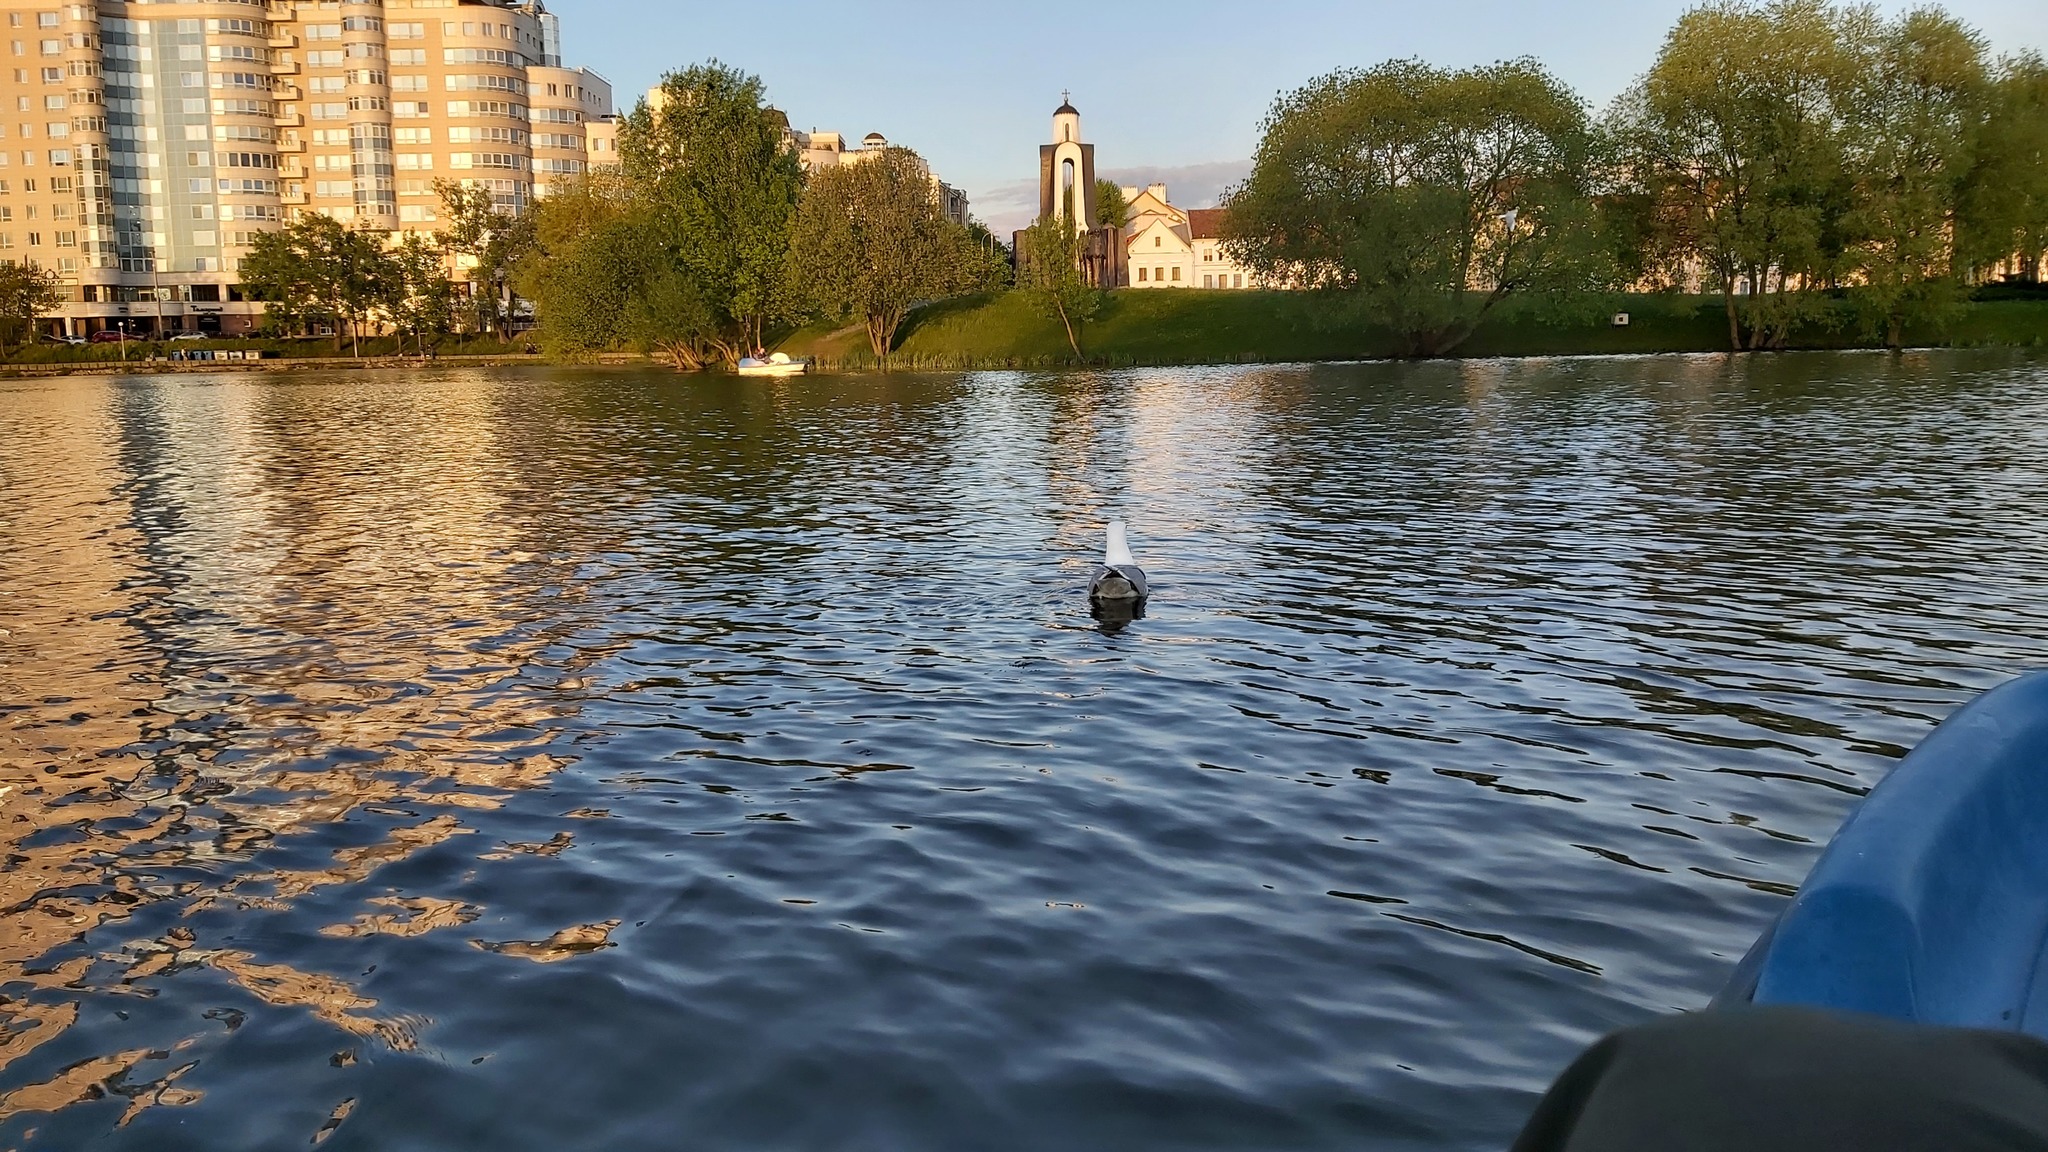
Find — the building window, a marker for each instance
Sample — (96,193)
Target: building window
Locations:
(1141,275)
(1208,281)
(1159,241)
(1238,281)
(1176,275)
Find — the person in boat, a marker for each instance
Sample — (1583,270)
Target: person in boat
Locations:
(1798,1080)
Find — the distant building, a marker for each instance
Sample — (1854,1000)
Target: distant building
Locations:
(822,150)
(1170,247)
(1066,191)
(601,142)
(156,141)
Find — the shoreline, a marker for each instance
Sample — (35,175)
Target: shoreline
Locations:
(1183,329)
(1188,328)
(906,365)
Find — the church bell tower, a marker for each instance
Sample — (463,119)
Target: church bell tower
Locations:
(1066,178)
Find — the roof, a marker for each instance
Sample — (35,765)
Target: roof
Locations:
(1207,223)
(1067,109)
(1177,231)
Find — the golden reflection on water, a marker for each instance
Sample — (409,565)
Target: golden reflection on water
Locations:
(218,595)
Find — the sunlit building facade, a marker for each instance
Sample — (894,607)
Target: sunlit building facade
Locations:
(153,140)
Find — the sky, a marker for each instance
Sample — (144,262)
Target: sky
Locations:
(1170,92)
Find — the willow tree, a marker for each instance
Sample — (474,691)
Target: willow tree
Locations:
(721,184)
(2004,214)
(871,241)
(1423,198)
(587,266)
(1918,99)
(1735,132)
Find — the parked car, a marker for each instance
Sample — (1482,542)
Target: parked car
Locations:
(109,336)
(192,336)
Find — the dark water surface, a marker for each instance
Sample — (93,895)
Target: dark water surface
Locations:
(560,760)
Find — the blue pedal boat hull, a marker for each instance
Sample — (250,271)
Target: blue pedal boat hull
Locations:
(1931,906)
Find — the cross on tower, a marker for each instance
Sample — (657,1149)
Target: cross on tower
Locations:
(1067,96)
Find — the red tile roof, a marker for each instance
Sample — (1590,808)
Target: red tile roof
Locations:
(1207,223)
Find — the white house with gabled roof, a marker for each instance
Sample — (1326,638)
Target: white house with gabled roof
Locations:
(1170,247)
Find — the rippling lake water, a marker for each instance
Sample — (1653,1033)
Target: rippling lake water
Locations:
(556,759)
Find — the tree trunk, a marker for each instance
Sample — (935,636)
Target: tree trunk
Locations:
(1072,339)
(1734,314)
(1895,332)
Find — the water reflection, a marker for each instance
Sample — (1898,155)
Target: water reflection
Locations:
(218,661)
(550,759)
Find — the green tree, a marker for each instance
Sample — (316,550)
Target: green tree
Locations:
(486,242)
(1423,198)
(722,182)
(27,291)
(1049,273)
(1111,209)
(589,259)
(870,240)
(669,316)
(2004,211)
(418,299)
(317,271)
(1735,134)
(1918,99)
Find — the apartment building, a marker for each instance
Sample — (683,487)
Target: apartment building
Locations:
(820,150)
(152,140)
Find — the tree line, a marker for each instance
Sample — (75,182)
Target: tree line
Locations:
(317,274)
(709,234)
(1812,164)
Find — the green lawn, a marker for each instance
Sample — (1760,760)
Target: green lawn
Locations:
(1191,327)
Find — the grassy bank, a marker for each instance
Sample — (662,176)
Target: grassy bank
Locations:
(140,351)
(1190,327)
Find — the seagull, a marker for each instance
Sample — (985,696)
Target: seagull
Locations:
(1118,580)
(1510,216)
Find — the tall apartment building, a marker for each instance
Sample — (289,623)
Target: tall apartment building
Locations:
(152,140)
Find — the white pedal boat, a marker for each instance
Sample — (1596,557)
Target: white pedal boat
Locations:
(776,365)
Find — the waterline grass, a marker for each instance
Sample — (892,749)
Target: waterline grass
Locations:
(1148,328)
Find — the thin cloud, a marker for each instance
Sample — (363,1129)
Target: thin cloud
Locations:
(1012,206)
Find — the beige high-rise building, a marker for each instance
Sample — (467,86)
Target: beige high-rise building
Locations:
(151,140)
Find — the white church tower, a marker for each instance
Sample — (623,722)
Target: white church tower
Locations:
(1067,171)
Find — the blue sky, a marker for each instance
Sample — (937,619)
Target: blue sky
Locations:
(1171,91)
